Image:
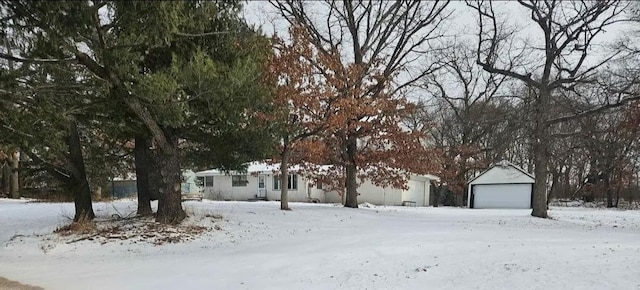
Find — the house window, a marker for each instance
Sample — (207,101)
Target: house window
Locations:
(239,180)
(319,185)
(208,181)
(292,182)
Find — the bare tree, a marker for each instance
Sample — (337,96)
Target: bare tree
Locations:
(560,58)
(471,107)
(610,140)
(373,36)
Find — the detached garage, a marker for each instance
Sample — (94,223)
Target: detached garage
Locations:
(503,185)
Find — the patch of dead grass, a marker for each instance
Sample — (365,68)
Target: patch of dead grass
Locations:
(7,284)
(140,229)
(79,227)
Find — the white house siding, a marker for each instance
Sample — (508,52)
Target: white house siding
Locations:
(419,190)
(333,197)
(221,189)
(317,195)
(427,192)
(378,195)
(249,191)
(415,193)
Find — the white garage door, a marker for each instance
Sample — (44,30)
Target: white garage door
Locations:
(502,196)
(415,192)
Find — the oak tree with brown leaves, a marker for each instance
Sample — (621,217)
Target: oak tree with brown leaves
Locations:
(368,48)
(302,102)
(365,139)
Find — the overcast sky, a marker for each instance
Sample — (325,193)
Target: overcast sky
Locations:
(463,20)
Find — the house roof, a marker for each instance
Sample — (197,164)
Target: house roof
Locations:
(253,167)
(263,167)
(431,176)
(520,176)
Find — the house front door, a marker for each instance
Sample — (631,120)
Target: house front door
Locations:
(262,189)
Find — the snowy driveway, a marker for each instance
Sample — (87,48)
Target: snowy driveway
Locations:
(330,247)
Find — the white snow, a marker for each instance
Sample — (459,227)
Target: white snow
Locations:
(321,246)
(252,167)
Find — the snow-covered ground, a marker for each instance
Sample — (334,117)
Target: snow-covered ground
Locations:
(320,246)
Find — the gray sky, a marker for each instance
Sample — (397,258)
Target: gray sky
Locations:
(463,21)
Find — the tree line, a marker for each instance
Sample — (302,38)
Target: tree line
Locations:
(375,89)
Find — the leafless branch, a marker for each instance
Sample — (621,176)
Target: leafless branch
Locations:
(201,34)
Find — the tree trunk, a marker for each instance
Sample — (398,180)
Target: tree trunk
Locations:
(143,166)
(284,175)
(618,189)
(436,195)
(81,190)
(566,184)
(459,191)
(541,155)
(540,186)
(351,168)
(555,180)
(609,192)
(154,174)
(462,175)
(6,178)
(169,193)
(14,161)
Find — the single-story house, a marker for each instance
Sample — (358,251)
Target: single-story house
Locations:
(261,181)
(503,185)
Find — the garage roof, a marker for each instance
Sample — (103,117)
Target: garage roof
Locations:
(503,172)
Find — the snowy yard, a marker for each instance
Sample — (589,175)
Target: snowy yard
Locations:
(320,246)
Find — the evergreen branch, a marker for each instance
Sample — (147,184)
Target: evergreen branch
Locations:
(34,60)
